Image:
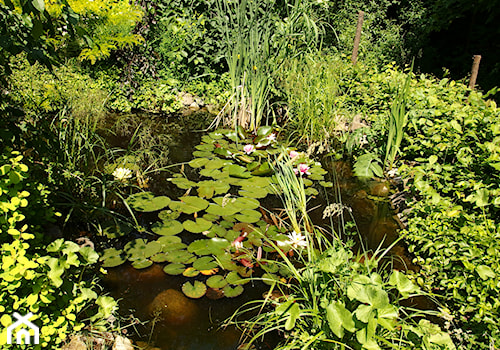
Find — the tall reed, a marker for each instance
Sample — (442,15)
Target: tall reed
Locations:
(397,122)
(257,41)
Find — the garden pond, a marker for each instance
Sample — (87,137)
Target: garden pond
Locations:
(196,273)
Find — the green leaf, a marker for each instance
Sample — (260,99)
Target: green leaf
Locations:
(39,5)
(112,257)
(238,171)
(232,292)
(264,130)
(403,284)
(174,269)
(205,263)
(194,290)
(293,315)
(147,202)
(216,281)
(167,228)
(339,318)
(198,162)
(191,204)
(199,226)
(485,272)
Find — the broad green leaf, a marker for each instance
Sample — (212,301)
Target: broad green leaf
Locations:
(403,284)
(485,272)
(199,226)
(194,290)
(167,228)
(339,318)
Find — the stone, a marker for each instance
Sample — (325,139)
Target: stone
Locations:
(122,343)
(174,308)
(187,99)
(380,189)
(357,123)
(76,343)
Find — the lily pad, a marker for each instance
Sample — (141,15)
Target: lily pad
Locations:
(216,281)
(182,182)
(238,171)
(217,231)
(198,162)
(233,278)
(191,272)
(197,227)
(213,173)
(141,263)
(174,269)
(253,192)
(205,263)
(202,154)
(194,290)
(264,130)
(159,258)
(167,228)
(207,189)
(139,249)
(199,247)
(248,216)
(192,204)
(232,292)
(263,169)
(179,256)
(216,163)
(220,210)
(167,215)
(112,257)
(146,202)
(168,247)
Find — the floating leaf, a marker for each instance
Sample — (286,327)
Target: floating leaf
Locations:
(138,249)
(174,269)
(264,130)
(194,290)
(198,162)
(172,246)
(263,169)
(141,263)
(207,189)
(203,154)
(146,202)
(197,227)
(237,171)
(165,240)
(205,263)
(246,203)
(231,292)
(191,272)
(233,278)
(199,247)
(216,281)
(112,257)
(167,215)
(220,210)
(248,216)
(182,183)
(179,256)
(253,192)
(167,228)
(191,204)
(159,258)
(216,163)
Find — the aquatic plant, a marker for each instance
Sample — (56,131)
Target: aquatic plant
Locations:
(331,301)
(223,209)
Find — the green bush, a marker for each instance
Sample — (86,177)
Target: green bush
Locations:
(39,276)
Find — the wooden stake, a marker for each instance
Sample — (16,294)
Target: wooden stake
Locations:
(475,70)
(354,57)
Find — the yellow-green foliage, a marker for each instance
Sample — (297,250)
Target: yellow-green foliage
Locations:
(44,280)
(40,91)
(108,23)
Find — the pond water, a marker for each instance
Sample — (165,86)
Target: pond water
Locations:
(194,324)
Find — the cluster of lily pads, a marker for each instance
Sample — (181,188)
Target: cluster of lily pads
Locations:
(218,232)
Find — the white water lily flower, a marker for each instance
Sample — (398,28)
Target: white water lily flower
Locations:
(296,240)
(122,174)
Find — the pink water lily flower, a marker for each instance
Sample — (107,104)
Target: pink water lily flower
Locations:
(294,154)
(302,169)
(249,148)
(271,136)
